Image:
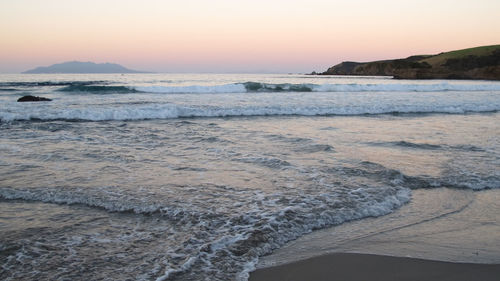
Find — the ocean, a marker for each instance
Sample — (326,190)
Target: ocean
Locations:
(196,176)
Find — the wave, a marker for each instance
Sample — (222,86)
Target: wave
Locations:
(428,146)
(287,87)
(227,88)
(265,87)
(251,86)
(97,89)
(237,240)
(8,90)
(407,144)
(451,179)
(170,111)
(223,239)
(436,87)
(48,83)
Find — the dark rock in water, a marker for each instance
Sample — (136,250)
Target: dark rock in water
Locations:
(32,98)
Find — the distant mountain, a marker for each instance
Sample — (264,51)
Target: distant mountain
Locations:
(82,67)
(474,63)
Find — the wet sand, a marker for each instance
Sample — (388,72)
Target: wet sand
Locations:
(442,234)
(365,267)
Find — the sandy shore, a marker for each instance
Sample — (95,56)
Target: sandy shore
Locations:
(365,267)
(442,234)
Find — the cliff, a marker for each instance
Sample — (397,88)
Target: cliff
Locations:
(474,63)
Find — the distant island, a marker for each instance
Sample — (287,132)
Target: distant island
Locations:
(474,63)
(82,67)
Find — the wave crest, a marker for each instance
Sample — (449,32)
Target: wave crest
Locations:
(288,87)
(97,89)
(170,111)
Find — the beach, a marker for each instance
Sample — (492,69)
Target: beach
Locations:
(359,267)
(457,243)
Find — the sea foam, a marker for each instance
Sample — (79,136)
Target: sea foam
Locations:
(169,111)
(341,87)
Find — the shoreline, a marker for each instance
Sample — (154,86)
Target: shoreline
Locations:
(362,267)
(441,234)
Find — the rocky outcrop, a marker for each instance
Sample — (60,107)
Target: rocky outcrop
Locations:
(344,68)
(30,98)
(482,73)
(475,63)
(377,68)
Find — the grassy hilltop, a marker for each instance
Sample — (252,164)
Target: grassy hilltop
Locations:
(474,63)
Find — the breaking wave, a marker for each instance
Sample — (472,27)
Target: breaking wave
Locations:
(97,89)
(103,87)
(169,111)
(237,241)
(229,88)
(287,87)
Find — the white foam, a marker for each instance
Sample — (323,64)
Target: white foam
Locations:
(397,87)
(228,88)
(185,266)
(340,87)
(234,100)
(168,111)
(291,225)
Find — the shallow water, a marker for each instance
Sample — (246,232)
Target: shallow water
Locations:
(444,224)
(141,194)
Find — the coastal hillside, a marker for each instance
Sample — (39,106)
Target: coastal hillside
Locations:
(474,63)
(82,67)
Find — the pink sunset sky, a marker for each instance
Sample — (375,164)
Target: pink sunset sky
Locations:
(237,36)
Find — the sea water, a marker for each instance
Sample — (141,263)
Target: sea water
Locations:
(195,176)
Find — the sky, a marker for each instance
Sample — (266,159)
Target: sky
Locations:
(285,36)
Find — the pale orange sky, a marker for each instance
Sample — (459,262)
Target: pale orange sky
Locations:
(237,36)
